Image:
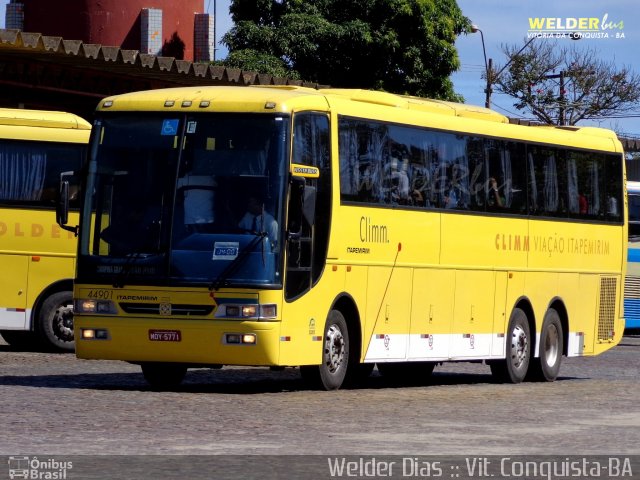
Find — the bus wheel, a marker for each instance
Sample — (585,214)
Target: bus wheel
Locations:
(55,322)
(547,365)
(163,375)
(336,356)
(514,367)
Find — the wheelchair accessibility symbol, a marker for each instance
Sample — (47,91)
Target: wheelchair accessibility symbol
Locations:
(170,127)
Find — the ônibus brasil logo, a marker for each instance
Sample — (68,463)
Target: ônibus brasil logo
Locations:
(33,468)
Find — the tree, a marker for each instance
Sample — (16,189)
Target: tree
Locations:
(174,47)
(402,46)
(252,60)
(565,85)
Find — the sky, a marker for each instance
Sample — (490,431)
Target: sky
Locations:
(507,22)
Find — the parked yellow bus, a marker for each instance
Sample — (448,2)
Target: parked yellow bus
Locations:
(338,229)
(37,256)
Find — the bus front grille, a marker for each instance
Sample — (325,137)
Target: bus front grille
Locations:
(165,309)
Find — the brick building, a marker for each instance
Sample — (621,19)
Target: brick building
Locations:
(159,27)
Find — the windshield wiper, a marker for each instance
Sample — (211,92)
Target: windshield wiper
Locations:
(221,280)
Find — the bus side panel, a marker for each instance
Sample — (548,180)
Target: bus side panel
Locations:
(303,320)
(586,309)
(13,298)
(484,242)
(388,312)
(500,314)
(35,254)
(431,314)
(356,285)
(473,314)
(45,271)
(571,295)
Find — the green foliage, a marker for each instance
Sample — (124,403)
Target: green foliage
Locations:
(401,46)
(251,60)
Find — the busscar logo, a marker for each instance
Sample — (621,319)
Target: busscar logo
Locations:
(48,469)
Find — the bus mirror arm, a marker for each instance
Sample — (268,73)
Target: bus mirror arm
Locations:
(62,205)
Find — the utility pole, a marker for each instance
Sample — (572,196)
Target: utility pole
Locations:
(488,65)
(561,98)
(487,90)
(561,110)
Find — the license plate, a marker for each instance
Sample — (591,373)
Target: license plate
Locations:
(165,335)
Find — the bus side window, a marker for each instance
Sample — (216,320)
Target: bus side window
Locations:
(613,189)
(545,181)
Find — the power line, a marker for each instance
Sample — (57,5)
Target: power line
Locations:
(635,115)
(509,112)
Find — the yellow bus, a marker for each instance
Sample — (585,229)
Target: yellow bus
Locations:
(37,256)
(337,229)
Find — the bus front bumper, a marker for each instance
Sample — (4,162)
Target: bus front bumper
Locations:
(202,342)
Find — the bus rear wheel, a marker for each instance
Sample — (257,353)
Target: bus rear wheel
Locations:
(338,363)
(546,367)
(55,322)
(513,369)
(163,375)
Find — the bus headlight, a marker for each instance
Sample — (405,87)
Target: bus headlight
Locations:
(94,334)
(240,338)
(252,311)
(101,307)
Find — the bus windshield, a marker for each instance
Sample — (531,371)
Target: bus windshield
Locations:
(185,199)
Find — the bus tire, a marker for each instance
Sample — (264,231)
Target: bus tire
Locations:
(55,322)
(163,375)
(513,369)
(338,363)
(546,367)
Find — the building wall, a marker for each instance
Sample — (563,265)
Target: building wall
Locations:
(14,17)
(113,22)
(204,38)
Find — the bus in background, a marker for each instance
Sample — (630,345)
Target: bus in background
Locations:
(632,280)
(337,229)
(37,256)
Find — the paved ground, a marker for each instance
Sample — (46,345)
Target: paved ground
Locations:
(59,405)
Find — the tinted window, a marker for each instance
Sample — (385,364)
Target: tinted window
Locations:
(30,171)
(393,165)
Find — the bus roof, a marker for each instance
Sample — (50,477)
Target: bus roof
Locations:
(42,118)
(370,104)
(43,126)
